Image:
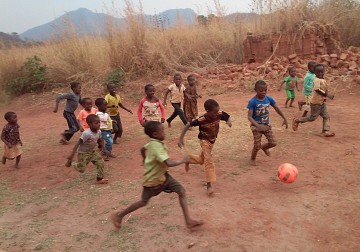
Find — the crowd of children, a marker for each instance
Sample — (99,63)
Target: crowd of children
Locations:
(101,127)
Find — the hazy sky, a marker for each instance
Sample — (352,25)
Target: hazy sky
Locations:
(21,15)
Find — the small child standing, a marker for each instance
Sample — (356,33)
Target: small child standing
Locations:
(176,91)
(85,148)
(308,87)
(156,177)
(291,81)
(318,103)
(105,127)
(258,115)
(72,100)
(208,130)
(190,99)
(88,110)
(150,107)
(113,103)
(10,135)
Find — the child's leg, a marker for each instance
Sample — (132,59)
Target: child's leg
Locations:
(107,136)
(301,104)
(117,127)
(257,144)
(17,161)
(83,160)
(72,123)
(326,122)
(315,110)
(291,102)
(210,173)
(287,100)
(271,141)
(3,161)
(97,160)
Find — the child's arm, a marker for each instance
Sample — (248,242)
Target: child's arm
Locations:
(260,127)
(324,94)
(71,156)
(59,98)
(282,83)
(181,139)
(143,153)
(277,109)
(139,112)
(124,108)
(171,163)
(229,123)
(162,111)
(165,96)
(3,139)
(296,84)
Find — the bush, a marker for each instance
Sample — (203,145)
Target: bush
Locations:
(29,78)
(116,76)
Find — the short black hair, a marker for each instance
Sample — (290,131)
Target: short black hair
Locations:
(8,115)
(83,100)
(210,104)
(74,84)
(151,127)
(99,101)
(91,118)
(319,66)
(291,68)
(177,74)
(190,76)
(311,63)
(110,84)
(148,86)
(259,83)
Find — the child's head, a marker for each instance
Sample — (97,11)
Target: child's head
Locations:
(149,90)
(75,87)
(93,121)
(211,107)
(311,65)
(87,103)
(155,130)
(101,104)
(260,89)
(319,71)
(177,79)
(10,117)
(292,71)
(111,87)
(191,80)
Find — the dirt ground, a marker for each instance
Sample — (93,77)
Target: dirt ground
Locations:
(47,206)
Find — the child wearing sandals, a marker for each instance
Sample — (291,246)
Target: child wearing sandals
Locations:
(318,103)
(150,107)
(156,177)
(208,130)
(11,137)
(85,148)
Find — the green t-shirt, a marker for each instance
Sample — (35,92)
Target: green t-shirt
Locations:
(290,82)
(155,168)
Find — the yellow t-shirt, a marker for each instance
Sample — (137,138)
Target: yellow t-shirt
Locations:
(113,104)
(319,84)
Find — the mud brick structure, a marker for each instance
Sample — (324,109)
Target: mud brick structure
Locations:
(308,41)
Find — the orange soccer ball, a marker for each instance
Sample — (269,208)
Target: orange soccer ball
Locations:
(287,173)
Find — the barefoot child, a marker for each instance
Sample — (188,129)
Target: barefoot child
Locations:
(258,115)
(10,135)
(150,107)
(190,99)
(156,177)
(113,103)
(318,103)
(72,100)
(176,91)
(106,127)
(291,81)
(208,130)
(88,110)
(308,88)
(85,148)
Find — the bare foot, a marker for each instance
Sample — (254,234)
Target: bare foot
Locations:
(3,161)
(192,223)
(102,181)
(63,142)
(68,163)
(116,142)
(17,166)
(210,191)
(112,156)
(187,167)
(267,152)
(116,220)
(291,106)
(252,162)
(169,124)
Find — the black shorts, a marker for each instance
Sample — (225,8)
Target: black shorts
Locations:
(170,185)
(117,127)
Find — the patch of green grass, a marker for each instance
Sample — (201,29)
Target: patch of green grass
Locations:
(125,239)
(45,244)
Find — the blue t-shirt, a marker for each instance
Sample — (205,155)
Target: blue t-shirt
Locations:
(260,109)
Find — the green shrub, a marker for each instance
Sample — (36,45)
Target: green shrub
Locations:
(116,76)
(29,78)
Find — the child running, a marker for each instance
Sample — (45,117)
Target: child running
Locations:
(113,103)
(176,91)
(190,99)
(105,127)
(10,135)
(308,87)
(72,100)
(85,148)
(150,107)
(156,177)
(259,117)
(318,103)
(87,110)
(208,130)
(291,81)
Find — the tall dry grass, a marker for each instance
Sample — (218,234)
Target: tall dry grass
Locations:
(143,51)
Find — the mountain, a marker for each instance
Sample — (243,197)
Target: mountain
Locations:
(86,22)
